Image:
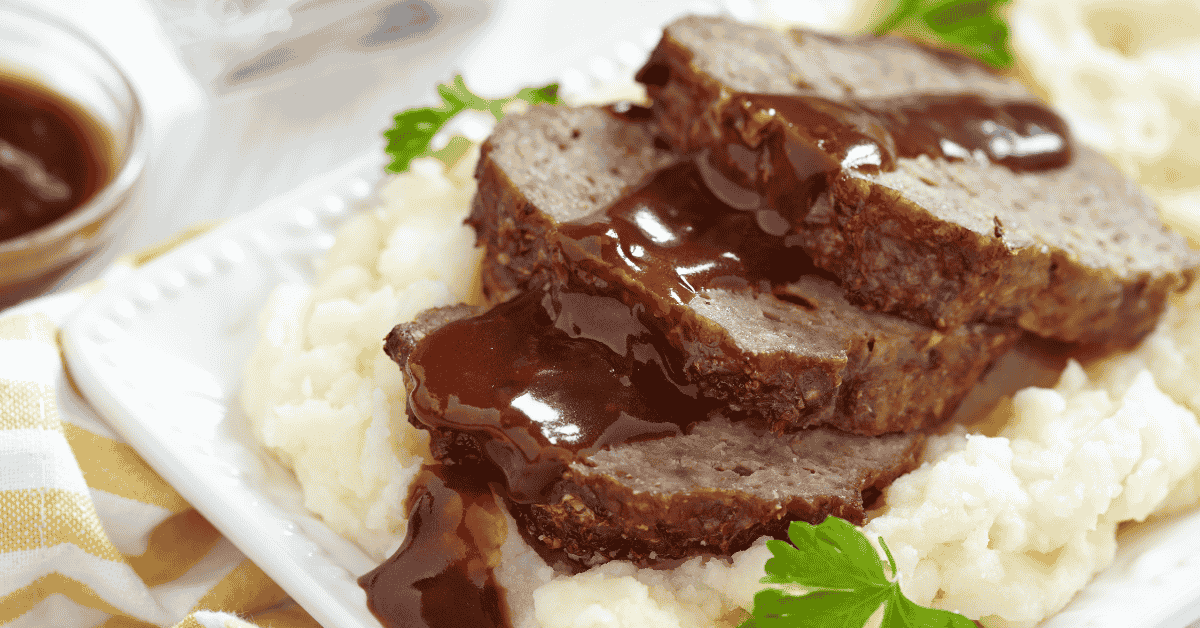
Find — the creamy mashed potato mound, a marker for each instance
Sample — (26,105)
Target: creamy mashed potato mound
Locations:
(1003,528)
(700,592)
(1009,528)
(1123,73)
(320,393)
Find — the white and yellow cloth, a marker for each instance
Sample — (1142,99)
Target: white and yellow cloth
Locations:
(89,534)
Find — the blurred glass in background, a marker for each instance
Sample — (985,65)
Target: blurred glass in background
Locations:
(236,44)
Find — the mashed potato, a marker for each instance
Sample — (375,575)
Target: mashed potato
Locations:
(700,592)
(1121,70)
(1006,528)
(320,393)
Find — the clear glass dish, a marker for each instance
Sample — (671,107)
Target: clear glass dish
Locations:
(44,51)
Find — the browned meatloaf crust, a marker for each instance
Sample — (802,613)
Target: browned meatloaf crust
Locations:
(799,355)
(1075,253)
(712,491)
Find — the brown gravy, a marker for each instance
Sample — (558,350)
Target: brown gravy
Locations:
(1020,135)
(547,377)
(676,236)
(779,152)
(535,382)
(441,577)
(54,156)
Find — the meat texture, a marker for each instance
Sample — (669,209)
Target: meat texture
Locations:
(795,353)
(713,490)
(1075,253)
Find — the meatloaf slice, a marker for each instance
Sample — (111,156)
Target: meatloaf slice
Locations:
(784,344)
(549,167)
(711,490)
(1074,252)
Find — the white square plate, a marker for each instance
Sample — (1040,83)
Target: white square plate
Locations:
(160,356)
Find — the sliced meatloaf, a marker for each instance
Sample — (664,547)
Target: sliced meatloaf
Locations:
(780,341)
(530,181)
(1062,244)
(711,489)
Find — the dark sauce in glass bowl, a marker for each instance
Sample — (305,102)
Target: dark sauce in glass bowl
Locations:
(54,156)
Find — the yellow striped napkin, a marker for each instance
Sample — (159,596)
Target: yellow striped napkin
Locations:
(89,534)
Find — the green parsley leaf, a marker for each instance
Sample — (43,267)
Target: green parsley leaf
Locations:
(973,26)
(845,581)
(826,556)
(414,129)
(535,95)
(776,609)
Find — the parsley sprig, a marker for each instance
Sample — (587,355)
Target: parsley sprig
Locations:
(846,584)
(973,26)
(414,129)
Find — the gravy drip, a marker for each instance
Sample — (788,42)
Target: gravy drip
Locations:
(821,137)
(441,577)
(676,236)
(871,135)
(53,157)
(546,378)
(535,382)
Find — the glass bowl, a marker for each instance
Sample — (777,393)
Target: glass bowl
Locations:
(37,50)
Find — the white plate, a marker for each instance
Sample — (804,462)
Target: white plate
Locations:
(160,356)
